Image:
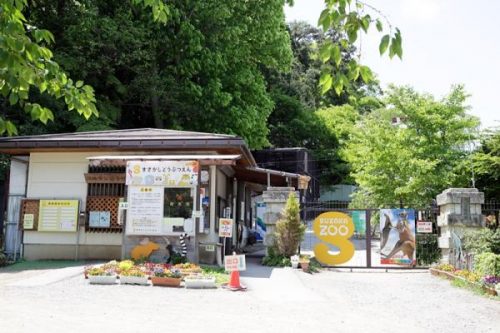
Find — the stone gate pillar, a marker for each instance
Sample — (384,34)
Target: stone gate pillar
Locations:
(459,210)
(275,199)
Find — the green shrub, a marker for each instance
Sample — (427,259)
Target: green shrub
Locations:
(289,229)
(274,259)
(487,264)
(482,241)
(428,251)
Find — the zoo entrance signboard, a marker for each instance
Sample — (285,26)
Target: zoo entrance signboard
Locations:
(162,173)
(334,228)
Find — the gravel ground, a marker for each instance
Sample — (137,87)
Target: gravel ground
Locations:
(277,299)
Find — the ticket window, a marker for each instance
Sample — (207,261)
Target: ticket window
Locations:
(178,209)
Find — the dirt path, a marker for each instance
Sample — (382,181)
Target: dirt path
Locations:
(277,300)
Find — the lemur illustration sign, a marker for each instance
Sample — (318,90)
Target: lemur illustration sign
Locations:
(397,236)
(333,228)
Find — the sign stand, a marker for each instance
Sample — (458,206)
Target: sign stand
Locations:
(225,230)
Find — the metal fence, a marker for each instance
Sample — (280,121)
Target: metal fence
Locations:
(12,230)
(367,241)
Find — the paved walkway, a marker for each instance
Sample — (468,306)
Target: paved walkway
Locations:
(283,300)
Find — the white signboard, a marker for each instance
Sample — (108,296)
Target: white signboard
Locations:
(424,227)
(225,227)
(162,173)
(145,212)
(235,263)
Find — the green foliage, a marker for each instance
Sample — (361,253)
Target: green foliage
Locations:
(428,251)
(410,162)
(177,258)
(487,264)
(482,241)
(486,164)
(350,19)
(274,259)
(26,62)
(201,70)
(3,259)
(289,229)
(293,121)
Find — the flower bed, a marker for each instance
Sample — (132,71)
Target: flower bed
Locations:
(487,283)
(165,277)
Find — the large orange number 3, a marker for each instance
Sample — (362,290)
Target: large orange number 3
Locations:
(334,228)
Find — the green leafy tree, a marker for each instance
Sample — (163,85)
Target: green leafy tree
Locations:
(410,150)
(352,18)
(289,229)
(201,70)
(27,64)
(486,164)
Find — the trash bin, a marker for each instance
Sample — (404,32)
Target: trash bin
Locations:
(210,253)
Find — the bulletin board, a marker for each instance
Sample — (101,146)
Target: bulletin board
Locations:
(58,215)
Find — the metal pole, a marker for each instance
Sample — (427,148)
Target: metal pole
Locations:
(368,239)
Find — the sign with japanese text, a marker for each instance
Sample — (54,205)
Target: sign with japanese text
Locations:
(58,215)
(28,221)
(225,227)
(424,227)
(145,211)
(235,263)
(162,173)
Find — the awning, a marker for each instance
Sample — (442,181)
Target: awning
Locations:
(271,177)
(203,159)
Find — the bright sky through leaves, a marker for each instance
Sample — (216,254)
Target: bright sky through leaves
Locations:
(445,42)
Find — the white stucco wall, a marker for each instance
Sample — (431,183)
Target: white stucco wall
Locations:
(61,176)
(17,181)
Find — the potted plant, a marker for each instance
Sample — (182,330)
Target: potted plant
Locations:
(100,275)
(200,281)
(166,278)
(304,262)
(295,261)
(134,275)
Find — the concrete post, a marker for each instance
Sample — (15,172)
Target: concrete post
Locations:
(459,211)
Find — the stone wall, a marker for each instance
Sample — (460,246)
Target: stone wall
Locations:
(459,211)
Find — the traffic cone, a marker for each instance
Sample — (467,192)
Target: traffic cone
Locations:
(234,282)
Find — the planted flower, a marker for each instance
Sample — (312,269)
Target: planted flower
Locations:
(101,275)
(491,280)
(166,277)
(134,275)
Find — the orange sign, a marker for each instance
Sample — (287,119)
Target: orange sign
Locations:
(334,228)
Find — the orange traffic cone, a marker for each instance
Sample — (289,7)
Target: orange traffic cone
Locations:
(234,282)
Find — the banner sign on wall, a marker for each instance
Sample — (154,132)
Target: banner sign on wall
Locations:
(397,236)
(58,215)
(162,173)
(145,212)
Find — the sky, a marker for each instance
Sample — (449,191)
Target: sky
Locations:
(445,42)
